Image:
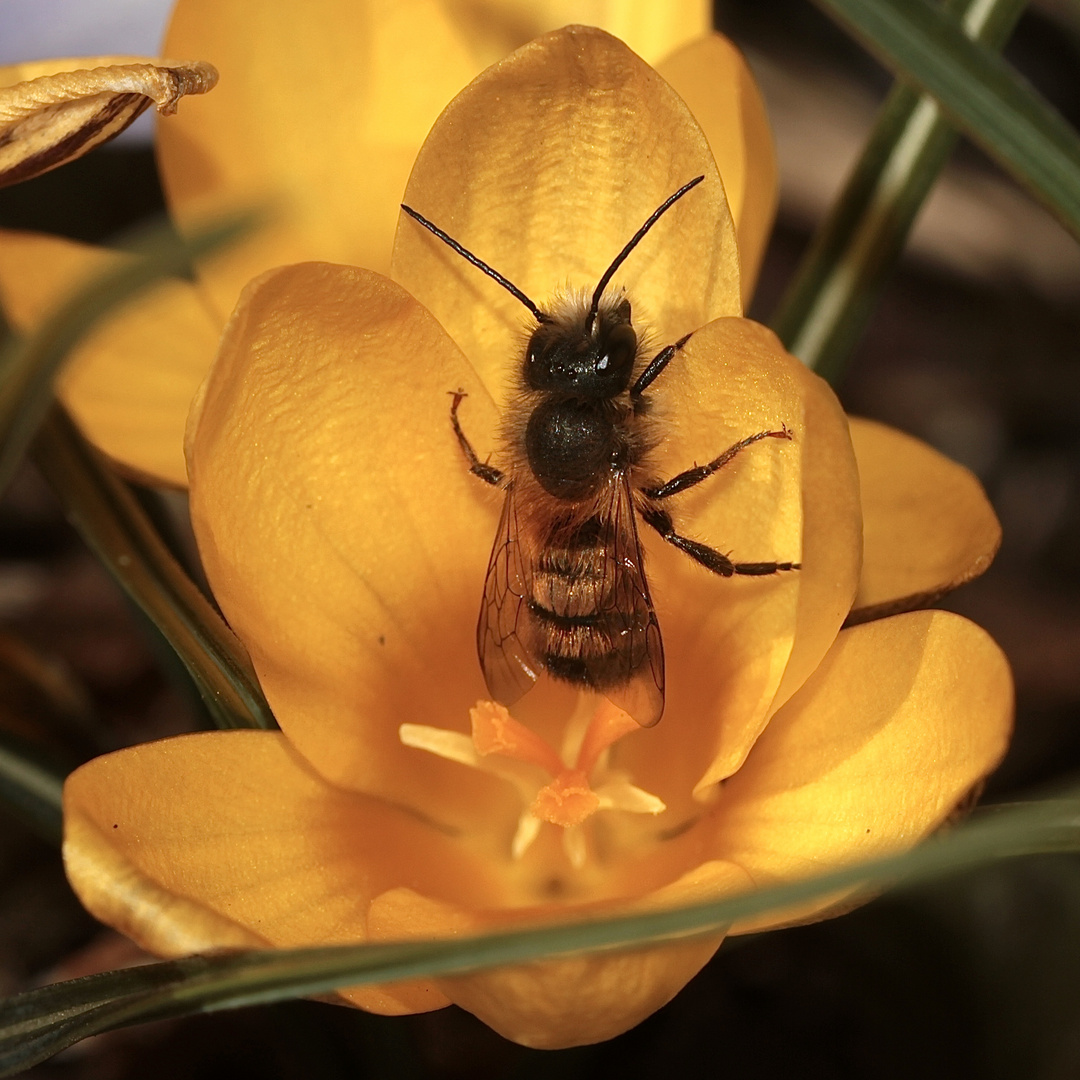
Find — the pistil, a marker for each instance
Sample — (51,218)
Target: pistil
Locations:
(573,791)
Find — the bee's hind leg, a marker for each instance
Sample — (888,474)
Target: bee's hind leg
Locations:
(709,557)
(488,473)
(690,477)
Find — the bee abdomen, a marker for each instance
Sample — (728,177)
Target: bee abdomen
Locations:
(581,635)
(587,651)
(570,583)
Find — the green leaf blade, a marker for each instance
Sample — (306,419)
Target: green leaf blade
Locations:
(40,1023)
(837,285)
(978,90)
(31,787)
(116,529)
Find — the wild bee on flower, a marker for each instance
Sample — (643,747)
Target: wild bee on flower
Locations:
(566,590)
(395,803)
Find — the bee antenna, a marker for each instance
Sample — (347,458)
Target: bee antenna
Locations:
(654,217)
(468,256)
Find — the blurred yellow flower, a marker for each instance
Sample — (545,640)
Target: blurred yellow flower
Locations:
(318,115)
(347,544)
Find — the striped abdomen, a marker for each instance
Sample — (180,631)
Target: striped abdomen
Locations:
(585,629)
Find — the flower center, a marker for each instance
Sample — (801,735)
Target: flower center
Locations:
(563,790)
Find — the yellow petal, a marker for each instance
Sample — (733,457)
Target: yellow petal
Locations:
(319,116)
(545,167)
(54,111)
(652,30)
(737,648)
(712,77)
(228,839)
(130,382)
(569,1002)
(343,535)
(323,116)
(901,720)
(927,524)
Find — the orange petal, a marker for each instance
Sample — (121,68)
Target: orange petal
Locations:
(53,111)
(927,524)
(228,839)
(738,647)
(545,167)
(130,382)
(901,720)
(567,1002)
(714,80)
(342,532)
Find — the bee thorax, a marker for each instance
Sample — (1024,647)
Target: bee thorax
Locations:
(571,447)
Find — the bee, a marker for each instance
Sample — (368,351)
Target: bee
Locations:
(566,590)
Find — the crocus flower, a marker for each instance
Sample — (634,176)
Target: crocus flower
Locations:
(347,544)
(319,116)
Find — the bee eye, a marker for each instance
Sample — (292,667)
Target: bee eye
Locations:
(621,349)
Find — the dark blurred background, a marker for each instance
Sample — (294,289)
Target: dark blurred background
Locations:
(975,348)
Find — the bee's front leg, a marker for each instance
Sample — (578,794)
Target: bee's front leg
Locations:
(488,473)
(656,365)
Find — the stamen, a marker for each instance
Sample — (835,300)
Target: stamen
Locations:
(573,842)
(622,795)
(527,831)
(451,745)
(457,747)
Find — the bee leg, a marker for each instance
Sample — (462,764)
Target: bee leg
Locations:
(698,473)
(488,473)
(656,365)
(709,557)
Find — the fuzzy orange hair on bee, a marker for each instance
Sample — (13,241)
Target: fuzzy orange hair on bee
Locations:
(566,591)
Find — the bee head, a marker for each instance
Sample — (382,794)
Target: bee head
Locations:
(580,354)
(582,357)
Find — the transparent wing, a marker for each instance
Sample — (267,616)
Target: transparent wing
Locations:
(509,668)
(637,684)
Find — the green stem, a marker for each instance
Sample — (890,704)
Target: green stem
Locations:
(834,291)
(114,526)
(31,787)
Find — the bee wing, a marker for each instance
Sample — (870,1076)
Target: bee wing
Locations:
(641,692)
(509,668)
